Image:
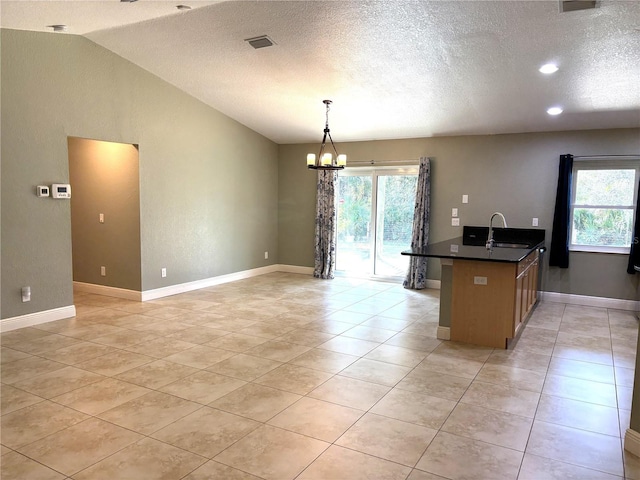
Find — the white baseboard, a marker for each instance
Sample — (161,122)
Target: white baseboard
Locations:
(208,282)
(107,291)
(443,333)
(435,284)
(588,301)
(295,269)
(31,319)
(632,442)
(185,287)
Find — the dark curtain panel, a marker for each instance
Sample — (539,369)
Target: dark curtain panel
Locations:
(559,250)
(634,253)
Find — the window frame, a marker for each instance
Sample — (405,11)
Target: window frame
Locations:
(602,164)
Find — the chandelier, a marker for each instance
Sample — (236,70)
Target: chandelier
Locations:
(326,161)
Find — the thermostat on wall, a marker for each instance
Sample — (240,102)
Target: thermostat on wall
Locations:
(61,190)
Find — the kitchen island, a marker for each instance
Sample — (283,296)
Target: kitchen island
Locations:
(487,295)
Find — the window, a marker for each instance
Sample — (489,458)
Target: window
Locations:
(603,204)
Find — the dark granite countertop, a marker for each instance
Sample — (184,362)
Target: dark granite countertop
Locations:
(455,249)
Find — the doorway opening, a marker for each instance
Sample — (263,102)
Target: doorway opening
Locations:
(375,219)
(105,217)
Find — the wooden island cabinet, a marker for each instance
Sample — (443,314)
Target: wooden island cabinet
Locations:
(526,288)
(492,300)
(487,295)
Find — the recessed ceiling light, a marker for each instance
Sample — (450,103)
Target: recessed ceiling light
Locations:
(183,7)
(554,111)
(548,68)
(58,28)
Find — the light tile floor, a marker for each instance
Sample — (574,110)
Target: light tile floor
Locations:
(283,376)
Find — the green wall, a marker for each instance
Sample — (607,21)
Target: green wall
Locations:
(515,174)
(208,185)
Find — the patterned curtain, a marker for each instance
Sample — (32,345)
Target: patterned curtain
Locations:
(417,274)
(326,224)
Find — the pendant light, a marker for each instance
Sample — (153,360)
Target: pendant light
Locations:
(326,161)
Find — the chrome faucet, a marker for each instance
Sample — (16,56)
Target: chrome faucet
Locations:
(490,240)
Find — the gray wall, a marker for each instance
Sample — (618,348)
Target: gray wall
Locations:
(104,179)
(515,174)
(208,185)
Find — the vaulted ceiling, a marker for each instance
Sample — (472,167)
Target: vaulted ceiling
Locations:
(393,68)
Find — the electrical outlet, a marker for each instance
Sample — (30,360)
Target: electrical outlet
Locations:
(163,272)
(455,222)
(103,271)
(479,280)
(266,255)
(534,222)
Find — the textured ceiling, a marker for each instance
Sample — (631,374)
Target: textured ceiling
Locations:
(394,69)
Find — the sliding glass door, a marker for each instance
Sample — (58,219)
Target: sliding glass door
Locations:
(375,216)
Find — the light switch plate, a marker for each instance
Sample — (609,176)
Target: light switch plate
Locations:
(465,198)
(454,212)
(534,222)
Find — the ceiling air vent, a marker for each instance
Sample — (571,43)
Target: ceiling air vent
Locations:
(260,42)
(575,5)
